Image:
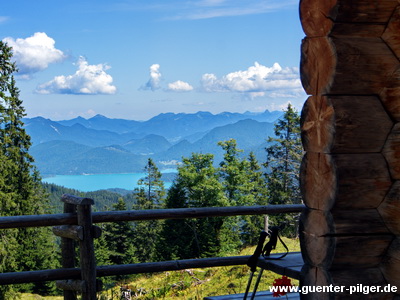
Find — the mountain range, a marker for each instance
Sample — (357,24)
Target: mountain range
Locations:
(104,145)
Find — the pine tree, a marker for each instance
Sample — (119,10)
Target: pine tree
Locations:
(259,193)
(20,189)
(196,185)
(118,240)
(118,237)
(152,186)
(149,195)
(175,242)
(283,162)
(233,174)
(244,186)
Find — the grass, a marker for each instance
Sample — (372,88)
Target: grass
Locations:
(191,284)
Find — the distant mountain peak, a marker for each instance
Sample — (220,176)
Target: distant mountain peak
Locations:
(98,116)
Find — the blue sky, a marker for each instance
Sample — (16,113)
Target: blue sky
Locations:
(136,59)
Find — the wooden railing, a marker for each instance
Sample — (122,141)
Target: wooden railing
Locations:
(76,223)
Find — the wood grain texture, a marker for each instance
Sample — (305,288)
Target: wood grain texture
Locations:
(363,180)
(364,11)
(391,264)
(344,124)
(317,124)
(390,99)
(357,130)
(317,65)
(69,231)
(344,181)
(390,209)
(391,35)
(357,30)
(317,250)
(314,16)
(349,66)
(68,252)
(359,222)
(315,276)
(361,276)
(318,181)
(391,152)
(87,255)
(146,214)
(318,18)
(330,240)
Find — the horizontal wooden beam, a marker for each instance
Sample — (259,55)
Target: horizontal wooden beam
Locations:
(149,214)
(187,213)
(102,271)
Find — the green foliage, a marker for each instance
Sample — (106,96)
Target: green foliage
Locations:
(20,189)
(283,163)
(149,195)
(118,241)
(104,199)
(244,185)
(151,189)
(258,193)
(237,181)
(199,283)
(197,185)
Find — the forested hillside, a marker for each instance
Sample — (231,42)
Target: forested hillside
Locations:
(202,180)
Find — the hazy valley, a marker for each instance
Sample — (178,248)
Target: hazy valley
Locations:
(101,145)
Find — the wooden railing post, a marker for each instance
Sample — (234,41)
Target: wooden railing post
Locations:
(68,253)
(87,258)
(84,232)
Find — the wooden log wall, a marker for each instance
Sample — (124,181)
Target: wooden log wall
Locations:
(350,174)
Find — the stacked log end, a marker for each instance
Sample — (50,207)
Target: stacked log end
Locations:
(350,174)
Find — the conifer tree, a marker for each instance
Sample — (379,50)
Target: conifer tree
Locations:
(20,190)
(118,240)
(118,237)
(233,174)
(259,195)
(196,185)
(283,162)
(244,186)
(149,195)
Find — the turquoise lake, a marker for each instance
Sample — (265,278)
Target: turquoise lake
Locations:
(88,183)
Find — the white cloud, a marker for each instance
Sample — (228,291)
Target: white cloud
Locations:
(179,86)
(34,53)
(88,79)
(155,78)
(257,81)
